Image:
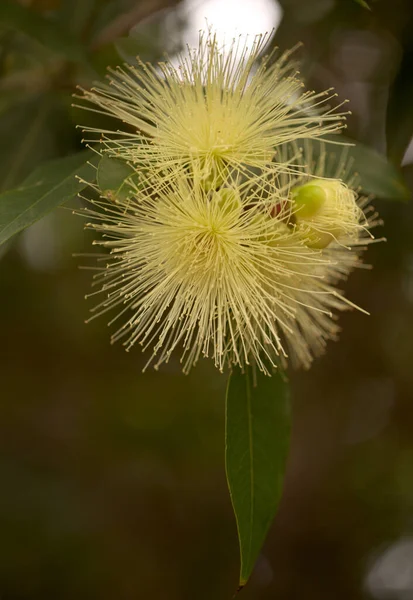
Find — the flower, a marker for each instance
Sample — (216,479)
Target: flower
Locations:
(215,110)
(234,238)
(221,272)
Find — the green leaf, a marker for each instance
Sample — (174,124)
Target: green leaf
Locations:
(46,31)
(257,440)
(25,127)
(114,178)
(377,175)
(47,187)
(364,4)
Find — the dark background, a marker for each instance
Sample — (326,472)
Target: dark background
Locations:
(112,482)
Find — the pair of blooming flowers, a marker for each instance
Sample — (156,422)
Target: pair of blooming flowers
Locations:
(232,241)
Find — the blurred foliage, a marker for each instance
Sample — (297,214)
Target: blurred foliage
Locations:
(112,481)
(48,186)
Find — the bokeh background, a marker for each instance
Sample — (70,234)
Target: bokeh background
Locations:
(112,482)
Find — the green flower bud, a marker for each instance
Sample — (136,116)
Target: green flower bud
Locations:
(326,210)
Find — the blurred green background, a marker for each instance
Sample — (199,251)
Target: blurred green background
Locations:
(112,482)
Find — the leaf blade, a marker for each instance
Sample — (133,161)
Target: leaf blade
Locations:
(47,187)
(375,174)
(30,140)
(364,4)
(257,436)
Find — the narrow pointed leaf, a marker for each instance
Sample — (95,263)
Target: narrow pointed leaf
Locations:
(50,185)
(257,441)
(364,4)
(29,127)
(376,175)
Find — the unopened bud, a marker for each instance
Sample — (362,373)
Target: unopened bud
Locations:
(326,210)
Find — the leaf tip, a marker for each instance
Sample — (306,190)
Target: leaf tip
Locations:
(239,589)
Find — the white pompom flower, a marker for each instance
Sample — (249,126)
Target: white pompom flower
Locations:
(220,108)
(222,273)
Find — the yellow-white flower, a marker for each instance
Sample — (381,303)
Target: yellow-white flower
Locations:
(234,242)
(222,272)
(215,109)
